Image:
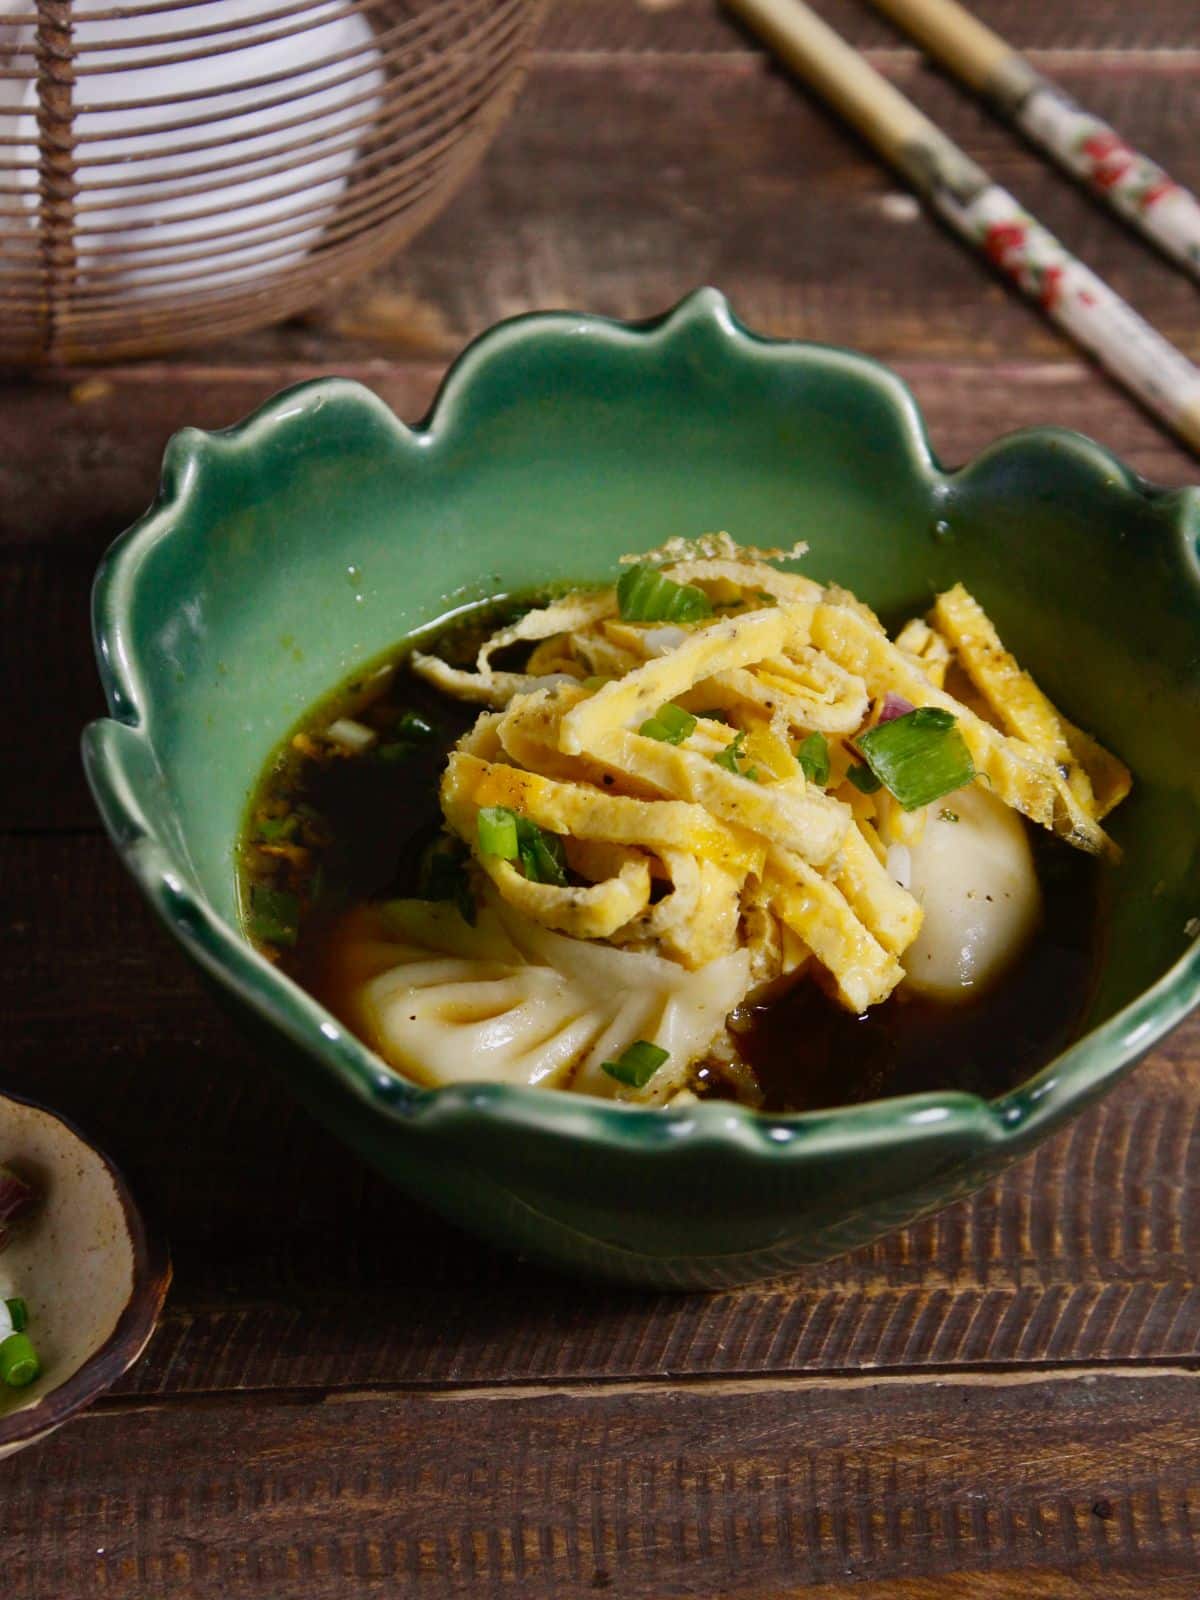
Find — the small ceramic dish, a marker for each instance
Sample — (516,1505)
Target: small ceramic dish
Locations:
(283,554)
(80,1258)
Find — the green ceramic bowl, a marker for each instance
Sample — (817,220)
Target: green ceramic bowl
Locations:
(285,552)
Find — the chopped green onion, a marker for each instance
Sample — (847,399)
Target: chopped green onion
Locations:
(645,595)
(274,830)
(432,874)
(542,854)
(752,774)
(498,832)
(19,1313)
(671,724)
(410,730)
(414,726)
(813,756)
(443,876)
(317,884)
(597,682)
(274,915)
(864,780)
(637,1065)
(919,757)
(19,1364)
(677,720)
(729,757)
(506,834)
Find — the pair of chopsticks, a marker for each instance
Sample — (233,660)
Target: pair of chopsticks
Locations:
(983,212)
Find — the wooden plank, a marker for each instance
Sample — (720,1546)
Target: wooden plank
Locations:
(750,1491)
(1085,1253)
(792,216)
(50,681)
(669,27)
(347,1395)
(634,205)
(109,431)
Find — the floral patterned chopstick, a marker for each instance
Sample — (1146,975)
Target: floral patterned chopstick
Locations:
(1131,183)
(984,213)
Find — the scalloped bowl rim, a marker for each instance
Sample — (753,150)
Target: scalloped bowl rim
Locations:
(1091,1061)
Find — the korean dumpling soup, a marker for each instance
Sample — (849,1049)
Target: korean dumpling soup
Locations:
(707,830)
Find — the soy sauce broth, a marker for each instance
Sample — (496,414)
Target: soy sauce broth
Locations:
(364,821)
(809,1053)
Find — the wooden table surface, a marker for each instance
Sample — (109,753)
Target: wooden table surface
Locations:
(346,1396)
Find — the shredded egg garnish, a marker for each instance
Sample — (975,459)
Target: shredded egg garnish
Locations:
(710,779)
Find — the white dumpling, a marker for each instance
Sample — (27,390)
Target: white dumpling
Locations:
(975,880)
(508,1001)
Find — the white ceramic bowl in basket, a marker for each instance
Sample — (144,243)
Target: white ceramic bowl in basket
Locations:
(175,173)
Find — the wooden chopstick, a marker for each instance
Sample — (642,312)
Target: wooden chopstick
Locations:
(1087,147)
(984,213)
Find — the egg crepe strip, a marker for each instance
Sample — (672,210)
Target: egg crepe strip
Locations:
(709,838)
(817,911)
(496,689)
(731,579)
(1020,774)
(698,921)
(593,911)
(1098,780)
(730,642)
(802,819)
(805,690)
(571,808)
(928,649)
(574,612)
(875,897)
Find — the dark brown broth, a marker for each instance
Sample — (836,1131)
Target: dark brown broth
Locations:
(809,1053)
(805,1050)
(371,818)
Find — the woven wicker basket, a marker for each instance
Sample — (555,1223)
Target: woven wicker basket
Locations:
(174,173)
